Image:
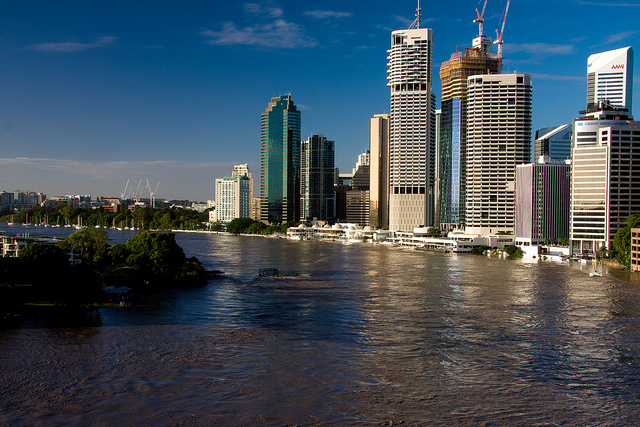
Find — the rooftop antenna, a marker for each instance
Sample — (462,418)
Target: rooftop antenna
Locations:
(416,22)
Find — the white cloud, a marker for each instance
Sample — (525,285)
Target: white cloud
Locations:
(541,49)
(614,38)
(63,176)
(324,14)
(69,47)
(557,77)
(276,34)
(262,10)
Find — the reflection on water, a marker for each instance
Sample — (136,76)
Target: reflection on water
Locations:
(354,334)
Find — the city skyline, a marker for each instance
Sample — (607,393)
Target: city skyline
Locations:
(94,96)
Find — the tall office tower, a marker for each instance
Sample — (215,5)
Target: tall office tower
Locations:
(610,78)
(412,128)
(453,124)
(357,198)
(605,175)
(243,170)
(232,198)
(553,143)
(280,161)
(542,202)
(379,171)
(317,162)
(498,139)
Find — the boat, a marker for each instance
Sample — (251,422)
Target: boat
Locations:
(595,272)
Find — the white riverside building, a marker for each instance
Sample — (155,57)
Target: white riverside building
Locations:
(498,139)
(233,198)
(605,176)
(412,129)
(610,78)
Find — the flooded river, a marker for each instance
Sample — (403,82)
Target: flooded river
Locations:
(354,334)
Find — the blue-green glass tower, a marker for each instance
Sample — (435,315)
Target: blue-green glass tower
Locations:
(280,162)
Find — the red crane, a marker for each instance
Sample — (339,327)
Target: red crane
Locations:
(499,40)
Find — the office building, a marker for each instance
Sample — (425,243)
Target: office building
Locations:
(453,125)
(379,171)
(280,161)
(553,143)
(542,202)
(232,198)
(317,195)
(605,176)
(498,139)
(610,78)
(243,170)
(357,198)
(412,128)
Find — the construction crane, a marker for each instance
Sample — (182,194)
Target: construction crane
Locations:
(152,194)
(123,195)
(480,20)
(499,40)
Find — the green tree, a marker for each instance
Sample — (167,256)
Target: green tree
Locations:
(433,232)
(239,225)
(92,242)
(622,240)
(514,251)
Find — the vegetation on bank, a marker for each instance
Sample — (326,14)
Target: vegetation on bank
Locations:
(43,274)
(144,218)
(622,240)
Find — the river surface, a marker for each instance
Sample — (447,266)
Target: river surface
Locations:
(356,334)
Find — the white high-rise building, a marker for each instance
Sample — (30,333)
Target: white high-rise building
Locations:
(232,198)
(605,176)
(243,170)
(498,139)
(412,129)
(610,78)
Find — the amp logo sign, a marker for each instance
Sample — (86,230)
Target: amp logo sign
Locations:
(617,67)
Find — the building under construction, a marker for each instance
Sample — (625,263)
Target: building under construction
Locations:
(453,126)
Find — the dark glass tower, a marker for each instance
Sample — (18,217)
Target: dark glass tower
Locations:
(280,162)
(316,171)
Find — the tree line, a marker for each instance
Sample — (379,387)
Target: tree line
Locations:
(43,274)
(144,218)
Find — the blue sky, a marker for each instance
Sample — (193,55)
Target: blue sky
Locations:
(93,94)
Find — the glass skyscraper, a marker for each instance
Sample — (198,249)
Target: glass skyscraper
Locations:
(317,161)
(453,126)
(280,161)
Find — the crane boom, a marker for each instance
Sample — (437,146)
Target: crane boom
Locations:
(499,40)
(480,20)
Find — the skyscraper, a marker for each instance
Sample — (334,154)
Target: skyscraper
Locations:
(553,143)
(317,196)
(412,128)
(379,171)
(605,176)
(610,78)
(498,139)
(280,161)
(453,125)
